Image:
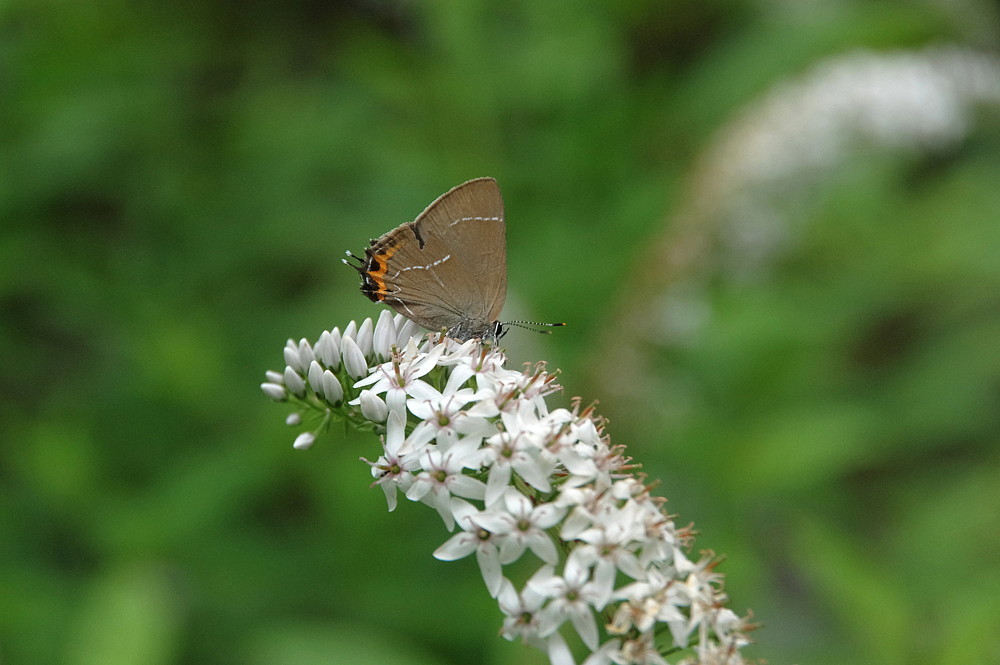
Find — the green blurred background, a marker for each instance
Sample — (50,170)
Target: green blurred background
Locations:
(818,392)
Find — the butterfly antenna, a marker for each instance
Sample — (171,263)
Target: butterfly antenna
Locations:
(527,325)
(359,268)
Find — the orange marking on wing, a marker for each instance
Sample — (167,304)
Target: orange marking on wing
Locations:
(378,276)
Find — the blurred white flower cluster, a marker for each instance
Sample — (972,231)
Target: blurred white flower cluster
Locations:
(755,186)
(478,443)
(763,166)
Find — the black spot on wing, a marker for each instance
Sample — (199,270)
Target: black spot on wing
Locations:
(416,234)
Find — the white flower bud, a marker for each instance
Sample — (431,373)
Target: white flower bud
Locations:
(275,391)
(351,330)
(354,359)
(328,349)
(295,383)
(332,389)
(315,376)
(291,352)
(385,335)
(364,337)
(373,407)
(306,354)
(405,330)
(304,441)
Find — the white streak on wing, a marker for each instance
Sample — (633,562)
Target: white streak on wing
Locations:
(476,219)
(405,306)
(429,266)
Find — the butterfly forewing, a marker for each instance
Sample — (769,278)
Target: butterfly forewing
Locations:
(446,269)
(469,222)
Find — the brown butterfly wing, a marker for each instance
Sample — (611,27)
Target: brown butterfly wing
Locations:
(448,268)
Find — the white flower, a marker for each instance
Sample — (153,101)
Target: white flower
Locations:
(520,611)
(606,543)
(648,602)
(509,453)
(571,596)
(523,527)
(473,538)
(402,375)
(487,454)
(394,470)
(442,477)
(444,419)
(533,430)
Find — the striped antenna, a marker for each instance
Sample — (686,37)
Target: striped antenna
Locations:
(527,325)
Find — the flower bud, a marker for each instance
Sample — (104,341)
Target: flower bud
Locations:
(373,407)
(295,383)
(354,359)
(275,391)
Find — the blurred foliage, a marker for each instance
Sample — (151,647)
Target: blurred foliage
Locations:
(178,182)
